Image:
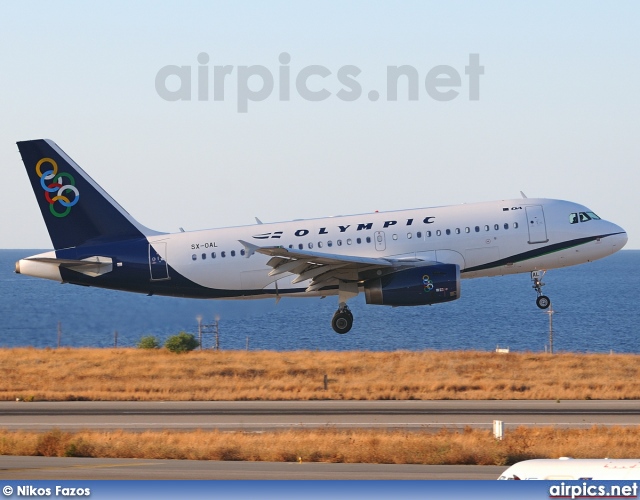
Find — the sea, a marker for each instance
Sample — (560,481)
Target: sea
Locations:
(596,310)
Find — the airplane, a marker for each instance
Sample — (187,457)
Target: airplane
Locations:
(566,468)
(396,258)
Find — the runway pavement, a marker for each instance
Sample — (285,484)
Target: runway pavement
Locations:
(99,468)
(259,416)
(273,415)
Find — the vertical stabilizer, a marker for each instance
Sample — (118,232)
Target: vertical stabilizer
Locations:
(75,208)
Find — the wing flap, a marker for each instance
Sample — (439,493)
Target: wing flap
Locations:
(326,269)
(316,257)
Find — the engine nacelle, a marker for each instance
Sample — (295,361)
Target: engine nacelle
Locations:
(416,286)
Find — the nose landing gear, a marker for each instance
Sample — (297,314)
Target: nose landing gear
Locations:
(543,302)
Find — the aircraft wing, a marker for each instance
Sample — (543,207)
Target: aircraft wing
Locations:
(325,269)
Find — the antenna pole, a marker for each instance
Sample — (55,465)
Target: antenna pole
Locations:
(550,313)
(215,323)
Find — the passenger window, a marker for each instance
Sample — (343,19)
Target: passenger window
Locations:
(409,236)
(486,228)
(467,229)
(358,240)
(438,232)
(573,218)
(428,233)
(457,230)
(194,257)
(213,255)
(395,236)
(477,229)
(448,232)
(329,244)
(368,239)
(300,246)
(349,241)
(319,244)
(233,253)
(242,252)
(496,226)
(223,254)
(419,234)
(339,243)
(204,256)
(515,225)
(506,226)
(310,245)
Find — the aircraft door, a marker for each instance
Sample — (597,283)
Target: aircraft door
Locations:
(381,243)
(536,224)
(157,261)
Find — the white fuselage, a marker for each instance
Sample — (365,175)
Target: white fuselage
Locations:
(567,469)
(484,239)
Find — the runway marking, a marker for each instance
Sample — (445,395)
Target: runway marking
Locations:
(104,466)
(197,425)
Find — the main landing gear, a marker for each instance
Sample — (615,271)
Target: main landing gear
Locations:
(543,302)
(342,320)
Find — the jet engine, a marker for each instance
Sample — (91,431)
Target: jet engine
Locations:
(416,286)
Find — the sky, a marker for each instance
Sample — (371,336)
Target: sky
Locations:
(132,91)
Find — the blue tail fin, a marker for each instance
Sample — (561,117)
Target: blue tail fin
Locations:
(75,209)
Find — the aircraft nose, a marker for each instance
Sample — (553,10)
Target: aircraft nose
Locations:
(623,239)
(619,237)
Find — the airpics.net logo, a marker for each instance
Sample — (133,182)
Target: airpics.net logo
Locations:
(257,83)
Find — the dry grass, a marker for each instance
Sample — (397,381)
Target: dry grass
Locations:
(330,445)
(134,374)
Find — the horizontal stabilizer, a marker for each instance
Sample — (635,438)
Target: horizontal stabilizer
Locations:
(91,266)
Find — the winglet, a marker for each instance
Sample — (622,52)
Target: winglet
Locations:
(258,221)
(523,195)
(250,248)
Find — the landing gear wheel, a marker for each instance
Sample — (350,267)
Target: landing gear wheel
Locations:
(342,321)
(543,302)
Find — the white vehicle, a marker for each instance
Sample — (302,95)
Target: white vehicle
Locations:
(574,469)
(401,258)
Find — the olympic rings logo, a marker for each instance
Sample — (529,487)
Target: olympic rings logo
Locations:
(52,182)
(427,283)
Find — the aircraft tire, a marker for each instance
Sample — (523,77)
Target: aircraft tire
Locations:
(543,302)
(342,322)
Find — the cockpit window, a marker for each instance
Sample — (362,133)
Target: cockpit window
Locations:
(576,217)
